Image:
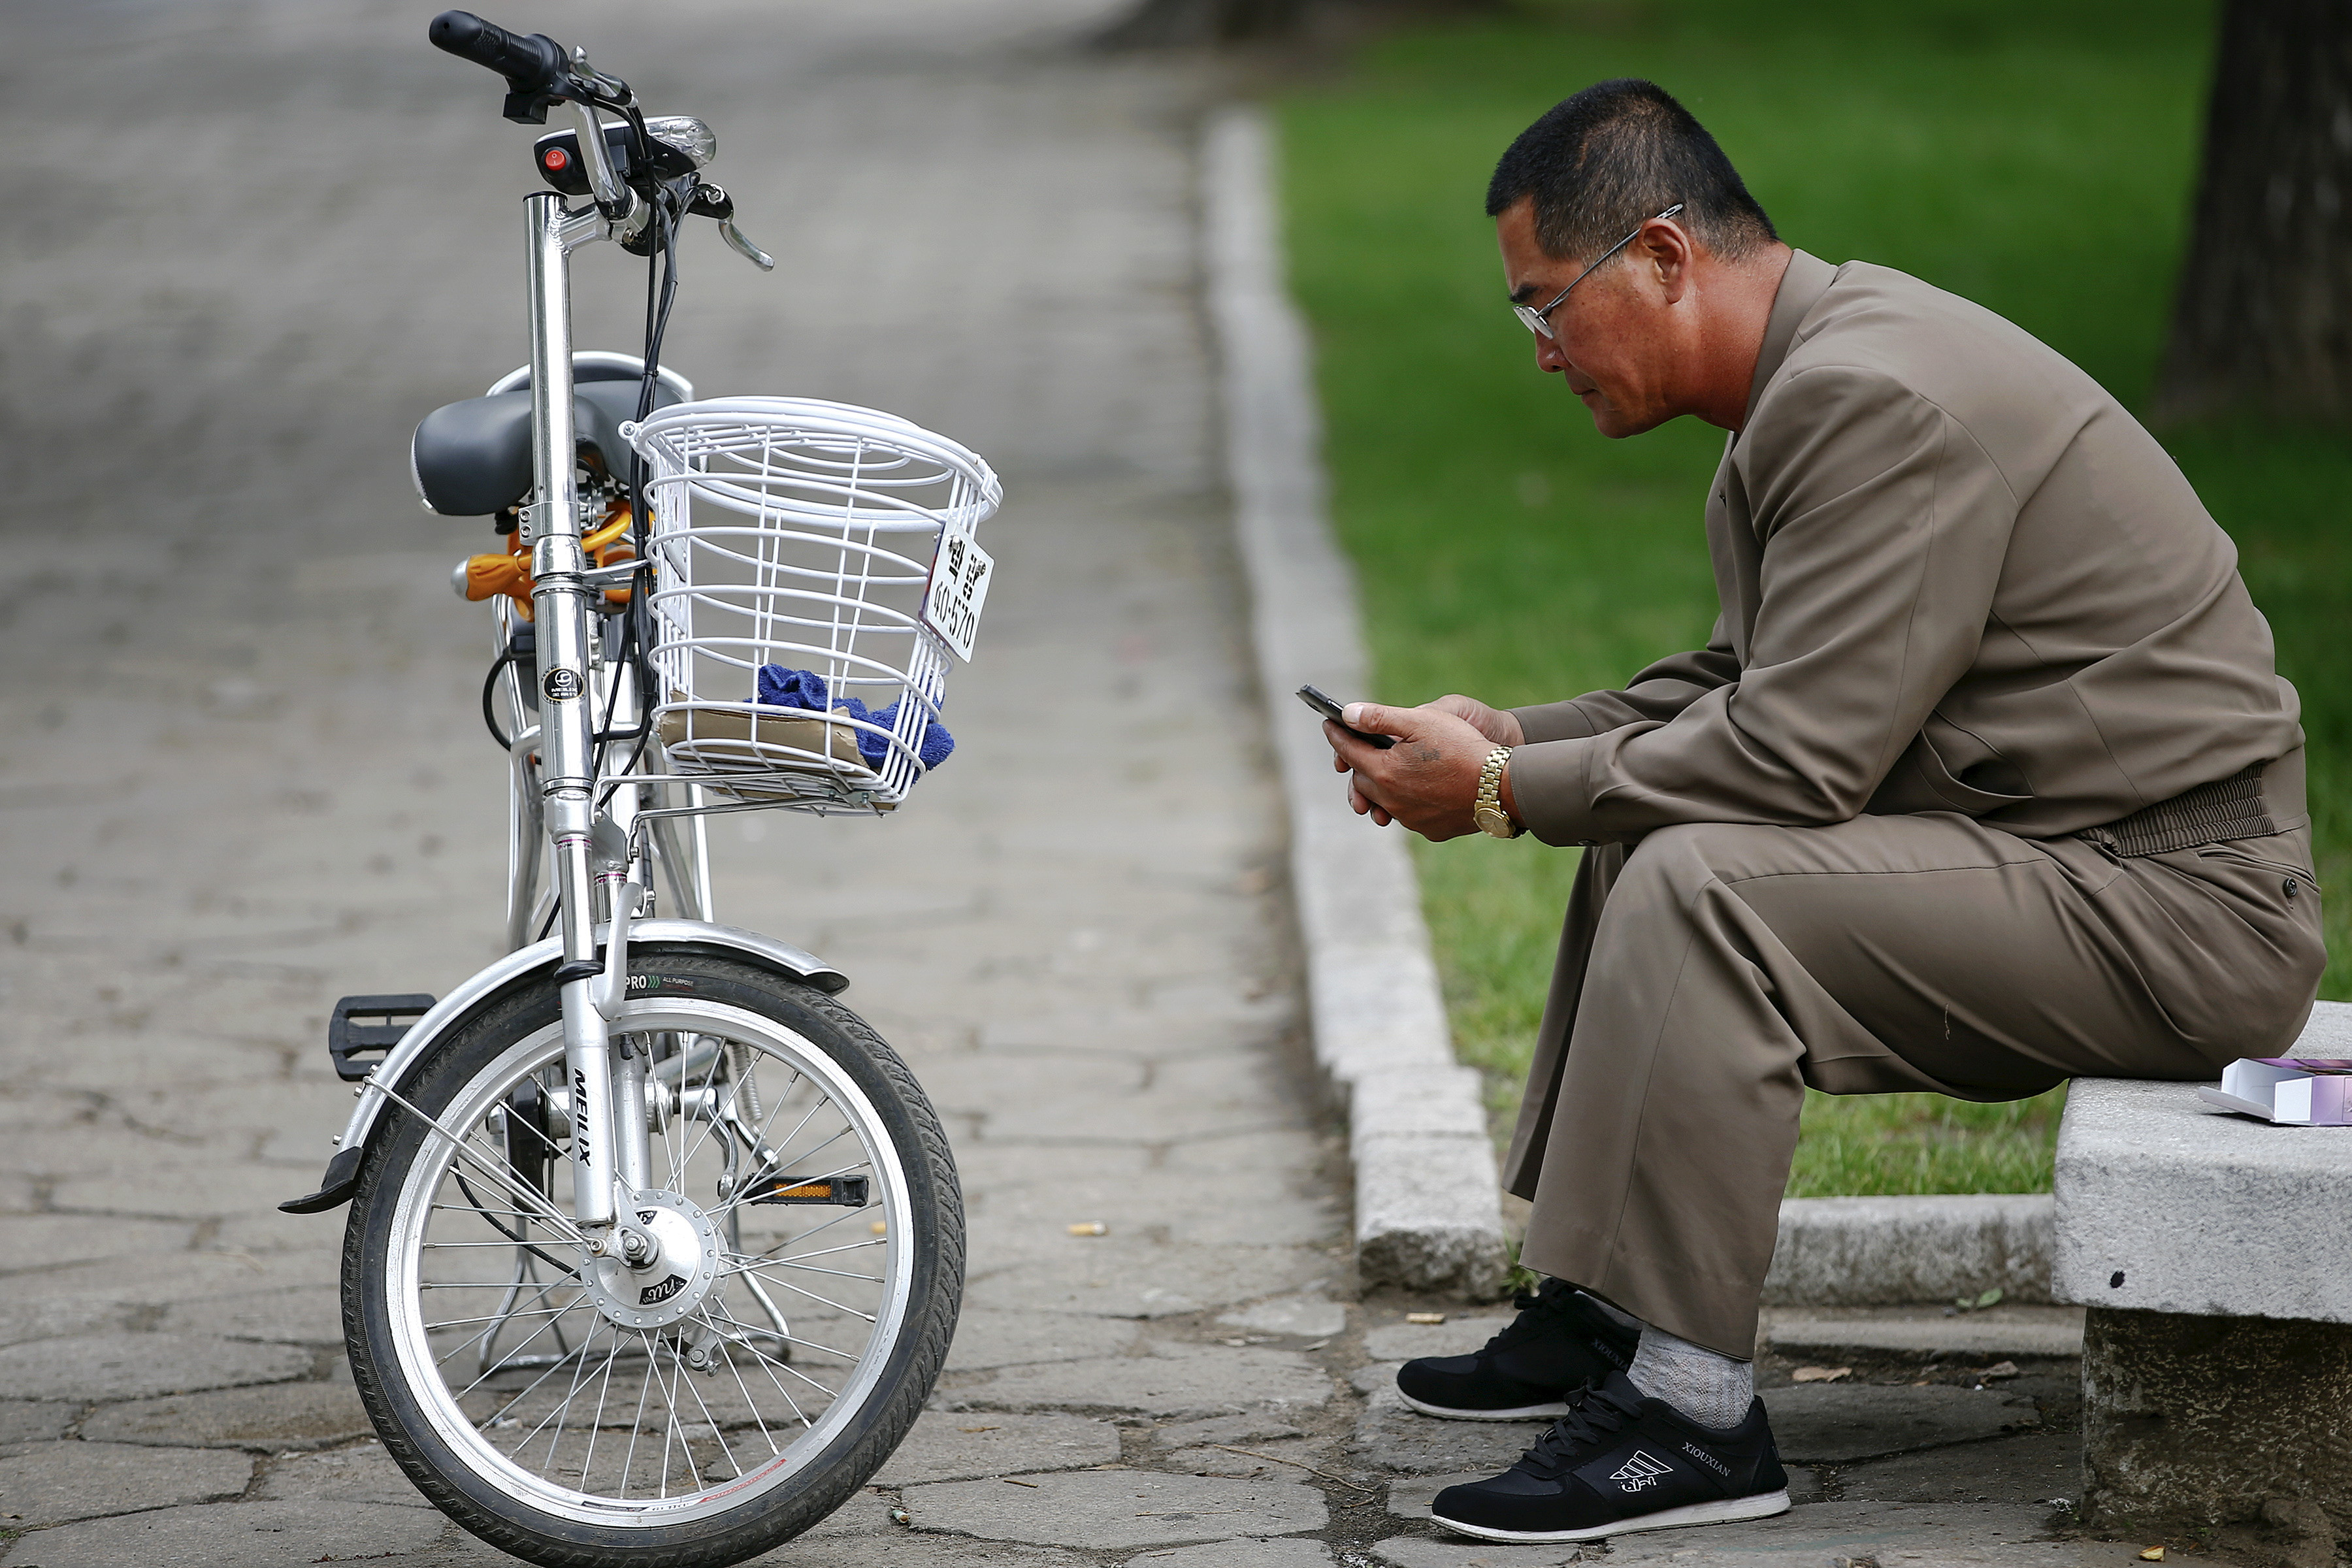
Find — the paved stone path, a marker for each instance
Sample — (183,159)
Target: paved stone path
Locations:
(240,775)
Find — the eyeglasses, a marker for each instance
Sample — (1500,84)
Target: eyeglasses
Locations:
(1539,322)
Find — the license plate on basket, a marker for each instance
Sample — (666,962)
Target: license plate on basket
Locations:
(959,587)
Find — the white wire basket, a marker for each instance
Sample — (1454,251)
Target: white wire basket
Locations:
(794,542)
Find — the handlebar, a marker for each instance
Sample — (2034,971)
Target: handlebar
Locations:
(541,73)
(532,61)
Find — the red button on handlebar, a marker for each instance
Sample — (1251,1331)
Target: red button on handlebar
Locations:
(556,158)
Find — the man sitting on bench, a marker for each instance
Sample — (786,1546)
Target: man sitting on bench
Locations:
(1985,779)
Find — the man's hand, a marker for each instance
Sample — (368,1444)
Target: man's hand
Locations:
(1429,779)
(1499,725)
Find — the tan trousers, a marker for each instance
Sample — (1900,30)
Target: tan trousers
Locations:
(1709,974)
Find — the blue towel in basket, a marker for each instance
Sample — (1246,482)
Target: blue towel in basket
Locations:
(806,688)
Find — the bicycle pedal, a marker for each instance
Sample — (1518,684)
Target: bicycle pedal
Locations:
(349,1040)
(845,1192)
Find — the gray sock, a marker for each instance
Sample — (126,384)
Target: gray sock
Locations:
(1712,1389)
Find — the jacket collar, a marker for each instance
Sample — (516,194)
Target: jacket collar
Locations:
(1802,285)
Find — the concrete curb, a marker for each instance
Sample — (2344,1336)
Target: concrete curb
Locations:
(1428,1209)
(1868,1252)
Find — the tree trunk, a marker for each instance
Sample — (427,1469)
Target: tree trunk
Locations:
(1154,23)
(2264,321)
(1184,22)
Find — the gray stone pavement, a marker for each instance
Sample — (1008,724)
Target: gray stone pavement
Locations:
(240,775)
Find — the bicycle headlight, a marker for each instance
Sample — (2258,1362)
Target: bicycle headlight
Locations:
(686,135)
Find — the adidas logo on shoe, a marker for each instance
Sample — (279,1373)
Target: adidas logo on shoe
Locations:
(1640,1471)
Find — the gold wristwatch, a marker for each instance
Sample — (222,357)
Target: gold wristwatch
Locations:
(1489,814)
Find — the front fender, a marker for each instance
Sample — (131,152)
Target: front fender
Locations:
(522,967)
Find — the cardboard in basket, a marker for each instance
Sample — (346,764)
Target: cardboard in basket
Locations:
(682,726)
(2299,1091)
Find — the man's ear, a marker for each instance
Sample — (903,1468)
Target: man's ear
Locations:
(1667,250)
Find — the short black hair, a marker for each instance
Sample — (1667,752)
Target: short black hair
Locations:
(1600,163)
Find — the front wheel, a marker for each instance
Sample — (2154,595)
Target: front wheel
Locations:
(723,1397)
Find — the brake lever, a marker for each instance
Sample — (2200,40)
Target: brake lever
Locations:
(744,248)
(713,202)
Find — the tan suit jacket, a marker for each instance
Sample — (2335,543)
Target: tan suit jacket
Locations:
(1954,575)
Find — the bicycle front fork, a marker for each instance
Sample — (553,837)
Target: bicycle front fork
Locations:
(611,1140)
(610,1128)
(611,1153)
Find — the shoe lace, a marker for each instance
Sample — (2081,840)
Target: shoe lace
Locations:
(1593,1415)
(1539,1311)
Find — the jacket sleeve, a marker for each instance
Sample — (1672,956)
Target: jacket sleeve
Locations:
(1883,526)
(1657,693)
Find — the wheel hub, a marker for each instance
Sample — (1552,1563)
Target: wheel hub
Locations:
(675,1278)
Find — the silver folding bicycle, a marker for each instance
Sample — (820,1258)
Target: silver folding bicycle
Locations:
(655,1248)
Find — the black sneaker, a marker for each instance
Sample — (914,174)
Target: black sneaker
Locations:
(1560,1340)
(1621,1461)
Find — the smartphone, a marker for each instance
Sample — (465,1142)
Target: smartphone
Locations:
(1314,698)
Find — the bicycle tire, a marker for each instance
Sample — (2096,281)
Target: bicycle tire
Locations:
(400,1308)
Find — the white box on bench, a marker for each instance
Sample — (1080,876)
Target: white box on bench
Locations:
(2283,1089)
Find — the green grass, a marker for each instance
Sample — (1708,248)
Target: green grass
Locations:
(2037,157)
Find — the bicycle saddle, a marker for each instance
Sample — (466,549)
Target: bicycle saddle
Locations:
(473,458)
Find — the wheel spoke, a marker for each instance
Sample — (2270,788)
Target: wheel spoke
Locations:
(534,1383)
(579,1365)
(636,1426)
(545,1213)
(826,1252)
(494,1321)
(748,1262)
(786,1141)
(439,1324)
(752,1267)
(702,1137)
(775,1314)
(511,1214)
(474,1284)
(770,1365)
(727,1353)
(817,1229)
(572,1394)
(685,1376)
(669,1426)
(595,1425)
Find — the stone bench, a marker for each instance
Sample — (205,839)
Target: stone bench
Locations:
(2214,1255)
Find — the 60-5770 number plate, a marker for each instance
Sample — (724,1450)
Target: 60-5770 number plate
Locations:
(959,587)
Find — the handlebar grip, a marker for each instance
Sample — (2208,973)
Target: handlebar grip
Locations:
(532,61)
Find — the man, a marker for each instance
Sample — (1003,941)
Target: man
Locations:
(1985,779)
